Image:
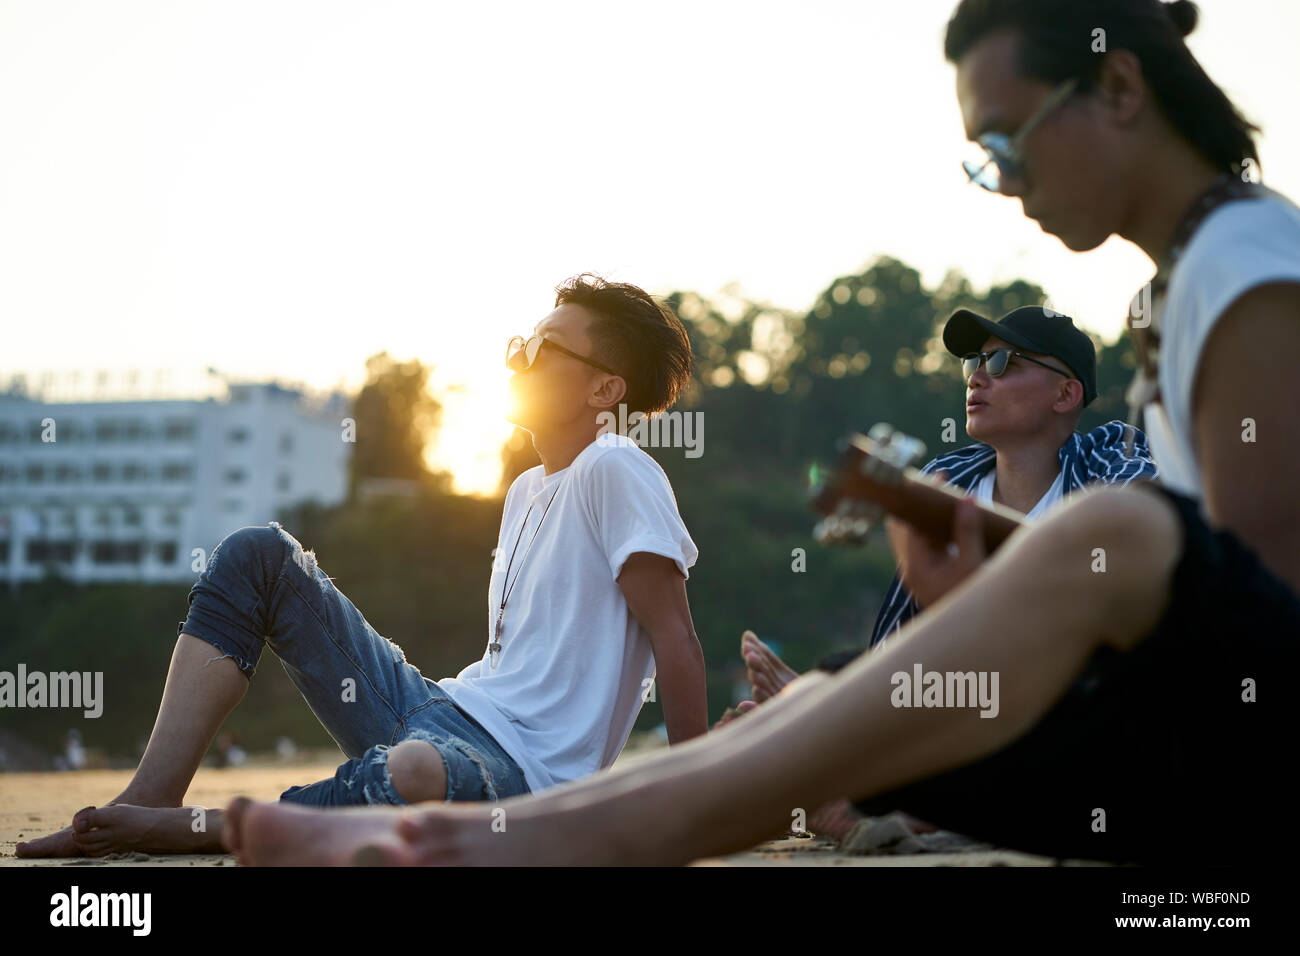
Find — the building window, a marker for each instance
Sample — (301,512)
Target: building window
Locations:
(237,436)
(4,552)
(107,431)
(8,474)
(178,430)
(232,504)
(282,482)
(102,471)
(134,471)
(177,471)
(166,552)
(35,474)
(171,518)
(116,552)
(38,552)
(235,476)
(286,443)
(131,516)
(67,472)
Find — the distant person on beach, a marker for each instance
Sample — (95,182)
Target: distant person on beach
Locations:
(586,608)
(1144,636)
(229,753)
(74,753)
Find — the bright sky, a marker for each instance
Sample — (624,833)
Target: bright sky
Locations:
(281,188)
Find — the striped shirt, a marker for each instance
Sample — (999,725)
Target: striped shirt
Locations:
(1099,457)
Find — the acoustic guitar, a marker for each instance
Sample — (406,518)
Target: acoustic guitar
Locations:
(875,475)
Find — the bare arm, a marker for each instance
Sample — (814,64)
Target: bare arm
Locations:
(1247,374)
(656,594)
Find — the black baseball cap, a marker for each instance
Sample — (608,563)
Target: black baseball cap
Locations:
(1031,329)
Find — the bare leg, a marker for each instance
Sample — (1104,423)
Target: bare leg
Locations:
(726,791)
(199,695)
(835,819)
(417,771)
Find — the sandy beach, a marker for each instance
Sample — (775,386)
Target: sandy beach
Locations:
(34,804)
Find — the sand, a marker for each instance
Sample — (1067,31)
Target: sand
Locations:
(34,804)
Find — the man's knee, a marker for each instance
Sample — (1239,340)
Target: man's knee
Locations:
(255,542)
(417,771)
(246,541)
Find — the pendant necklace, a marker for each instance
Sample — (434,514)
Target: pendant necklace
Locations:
(494,647)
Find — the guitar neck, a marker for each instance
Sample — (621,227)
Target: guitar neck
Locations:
(924,502)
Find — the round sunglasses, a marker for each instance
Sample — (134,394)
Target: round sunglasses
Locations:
(1004,155)
(996,362)
(521,353)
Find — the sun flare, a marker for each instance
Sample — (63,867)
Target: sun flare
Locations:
(473,430)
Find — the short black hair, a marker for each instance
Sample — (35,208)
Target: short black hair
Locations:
(1056,38)
(640,338)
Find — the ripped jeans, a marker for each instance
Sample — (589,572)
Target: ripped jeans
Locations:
(261,588)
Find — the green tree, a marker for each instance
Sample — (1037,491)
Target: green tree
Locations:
(396,419)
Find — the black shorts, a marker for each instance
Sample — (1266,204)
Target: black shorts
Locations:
(1160,739)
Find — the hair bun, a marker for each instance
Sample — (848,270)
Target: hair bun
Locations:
(1184,14)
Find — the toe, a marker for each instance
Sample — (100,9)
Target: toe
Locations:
(230,825)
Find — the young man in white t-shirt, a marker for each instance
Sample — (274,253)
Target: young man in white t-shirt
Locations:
(1144,639)
(587,612)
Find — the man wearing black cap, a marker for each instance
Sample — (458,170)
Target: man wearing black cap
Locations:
(1028,378)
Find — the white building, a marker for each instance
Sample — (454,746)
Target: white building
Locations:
(118,491)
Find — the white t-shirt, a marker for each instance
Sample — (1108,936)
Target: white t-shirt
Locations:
(575,662)
(1240,245)
(984,493)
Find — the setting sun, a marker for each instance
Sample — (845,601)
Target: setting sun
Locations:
(474,428)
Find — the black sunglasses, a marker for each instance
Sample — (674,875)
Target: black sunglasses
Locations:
(996,362)
(527,349)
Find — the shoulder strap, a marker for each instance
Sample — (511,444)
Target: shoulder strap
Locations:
(1145,387)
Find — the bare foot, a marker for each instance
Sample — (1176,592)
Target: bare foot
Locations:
(65,842)
(731,713)
(767,672)
(100,830)
(512,833)
(61,843)
(234,816)
(278,834)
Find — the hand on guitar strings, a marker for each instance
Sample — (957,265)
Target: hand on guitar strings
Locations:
(931,570)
